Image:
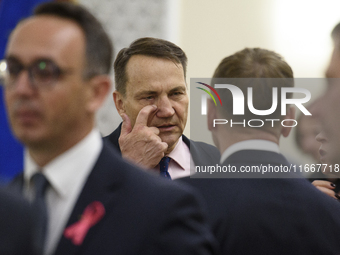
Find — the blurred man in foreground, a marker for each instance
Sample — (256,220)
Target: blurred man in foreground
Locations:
(90,200)
(17,228)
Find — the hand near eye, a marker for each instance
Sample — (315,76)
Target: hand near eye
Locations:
(326,187)
(141,144)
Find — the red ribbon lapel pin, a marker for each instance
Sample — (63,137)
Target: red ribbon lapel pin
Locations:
(92,214)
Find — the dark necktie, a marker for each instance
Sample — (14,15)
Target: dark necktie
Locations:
(163,167)
(40,184)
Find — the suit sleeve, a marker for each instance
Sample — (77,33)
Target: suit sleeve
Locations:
(185,229)
(16,225)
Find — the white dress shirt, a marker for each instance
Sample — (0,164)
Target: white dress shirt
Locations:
(180,162)
(255,144)
(66,175)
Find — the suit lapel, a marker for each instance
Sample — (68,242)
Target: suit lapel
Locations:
(194,151)
(199,156)
(114,136)
(17,184)
(100,186)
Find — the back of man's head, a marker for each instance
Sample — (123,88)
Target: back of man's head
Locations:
(259,69)
(148,46)
(253,63)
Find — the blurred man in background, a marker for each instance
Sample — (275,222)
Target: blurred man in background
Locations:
(311,141)
(305,133)
(275,215)
(326,109)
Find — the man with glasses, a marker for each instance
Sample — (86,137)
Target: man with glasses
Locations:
(90,201)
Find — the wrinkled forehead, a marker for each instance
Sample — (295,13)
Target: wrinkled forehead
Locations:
(142,70)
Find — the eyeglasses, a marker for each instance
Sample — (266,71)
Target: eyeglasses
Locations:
(43,73)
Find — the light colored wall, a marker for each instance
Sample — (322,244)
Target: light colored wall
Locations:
(299,30)
(126,21)
(211,30)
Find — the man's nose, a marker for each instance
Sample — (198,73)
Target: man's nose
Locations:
(320,137)
(165,108)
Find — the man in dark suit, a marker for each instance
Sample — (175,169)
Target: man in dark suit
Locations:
(90,201)
(151,97)
(257,213)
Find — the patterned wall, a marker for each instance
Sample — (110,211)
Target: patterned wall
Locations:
(126,21)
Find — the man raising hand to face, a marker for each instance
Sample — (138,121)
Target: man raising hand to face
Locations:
(152,146)
(151,96)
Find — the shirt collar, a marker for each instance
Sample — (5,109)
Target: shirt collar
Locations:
(178,154)
(255,144)
(73,165)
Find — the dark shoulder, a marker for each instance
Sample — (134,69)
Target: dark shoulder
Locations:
(113,138)
(206,147)
(16,224)
(202,153)
(12,202)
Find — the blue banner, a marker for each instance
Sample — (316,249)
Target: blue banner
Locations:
(11,151)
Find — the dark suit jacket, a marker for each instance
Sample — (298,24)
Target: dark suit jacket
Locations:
(144,214)
(269,216)
(16,225)
(202,153)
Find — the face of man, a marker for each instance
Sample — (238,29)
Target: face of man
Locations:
(327,110)
(327,107)
(309,128)
(324,148)
(56,115)
(160,82)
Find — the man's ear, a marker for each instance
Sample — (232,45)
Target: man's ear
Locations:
(99,88)
(290,115)
(212,113)
(118,98)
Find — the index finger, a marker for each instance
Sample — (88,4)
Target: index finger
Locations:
(325,184)
(143,115)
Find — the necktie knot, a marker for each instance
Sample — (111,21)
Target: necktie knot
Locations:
(163,167)
(40,184)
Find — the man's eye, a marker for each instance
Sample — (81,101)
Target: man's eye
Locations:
(149,98)
(14,69)
(178,93)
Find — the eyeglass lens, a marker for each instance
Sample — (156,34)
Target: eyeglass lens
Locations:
(42,72)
